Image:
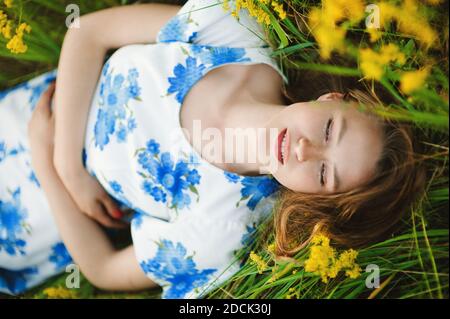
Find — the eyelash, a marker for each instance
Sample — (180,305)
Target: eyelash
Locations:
(327,136)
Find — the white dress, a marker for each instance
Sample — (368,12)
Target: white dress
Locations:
(190,216)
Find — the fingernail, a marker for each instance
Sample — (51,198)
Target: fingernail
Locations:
(118,214)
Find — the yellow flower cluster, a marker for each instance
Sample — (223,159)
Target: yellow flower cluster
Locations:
(278,7)
(258,261)
(271,248)
(60,293)
(410,19)
(8,3)
(292,293)
(5,25)
(15,43)
(255,9)
(324,23)
(324,260)
(373,63)
(413,80)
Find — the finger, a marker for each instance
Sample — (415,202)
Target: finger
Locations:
(112,208)
(101,216)
(44,101)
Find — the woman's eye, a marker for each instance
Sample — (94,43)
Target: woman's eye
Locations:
(328,129)
(322,174)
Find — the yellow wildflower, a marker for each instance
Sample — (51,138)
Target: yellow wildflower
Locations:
(5,25)
(324,23)
(278,7)
(320,261)
(375,34)
(323,260)
(6,30)
(8,3)
(271,248)
(410,20)
(60,293)
(338,10)
(3,19)
(16,45)
(226,5)
(258,261)
(372,63)
(354,272)
(253,8)
(292,292)
(413,80)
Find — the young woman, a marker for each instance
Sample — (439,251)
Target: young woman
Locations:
(129,129)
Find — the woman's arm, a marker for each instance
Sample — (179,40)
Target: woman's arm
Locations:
(86,242)
(79,69)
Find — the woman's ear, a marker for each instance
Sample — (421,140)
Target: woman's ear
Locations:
(331,96)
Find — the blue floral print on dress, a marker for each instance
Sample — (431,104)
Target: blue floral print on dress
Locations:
(12,225)
(118,193)
(6,152)
(16,280)
(165,180)
(215,56)
(254,188)
(185,77)
(257,188)
(232,178)
(59,256)
(36,89)
(173,266)
(114,116)
(175,30)
(248,237)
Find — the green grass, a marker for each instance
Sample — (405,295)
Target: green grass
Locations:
(413,262)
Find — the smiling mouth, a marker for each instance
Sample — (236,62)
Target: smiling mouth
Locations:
(283,149)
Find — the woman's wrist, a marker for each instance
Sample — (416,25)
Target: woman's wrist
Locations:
(66,162)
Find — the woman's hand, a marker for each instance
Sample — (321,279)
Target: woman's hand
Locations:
(93,200)
(87,193)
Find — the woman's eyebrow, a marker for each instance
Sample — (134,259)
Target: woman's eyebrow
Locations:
(343,127)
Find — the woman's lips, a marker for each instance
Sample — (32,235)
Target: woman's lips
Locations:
(280,151)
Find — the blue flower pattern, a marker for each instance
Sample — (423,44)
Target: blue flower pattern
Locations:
(185,76)
(165,180)
(114,117)
(173,266)
(59,256)
(248,236)
(16,280)
(255,188)
(36,89)
(12,225)
(175,30)
(6,152)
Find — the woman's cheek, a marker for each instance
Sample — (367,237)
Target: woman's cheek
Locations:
(302,179)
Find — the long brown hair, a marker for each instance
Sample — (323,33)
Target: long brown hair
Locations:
(363,215)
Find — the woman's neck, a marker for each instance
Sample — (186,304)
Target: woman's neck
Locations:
(251,116)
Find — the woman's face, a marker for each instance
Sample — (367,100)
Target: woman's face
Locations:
(329,146)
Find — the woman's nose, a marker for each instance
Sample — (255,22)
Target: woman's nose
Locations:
(305,150)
